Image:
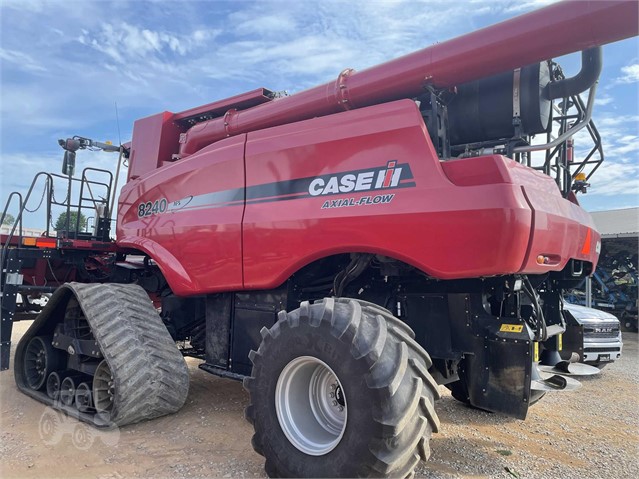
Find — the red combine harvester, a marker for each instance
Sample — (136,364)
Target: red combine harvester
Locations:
(343,250)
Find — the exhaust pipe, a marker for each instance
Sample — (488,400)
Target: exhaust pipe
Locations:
(591,63)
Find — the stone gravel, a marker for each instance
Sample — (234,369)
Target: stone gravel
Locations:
(589,433)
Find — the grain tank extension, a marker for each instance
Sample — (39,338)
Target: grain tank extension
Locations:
(344,251)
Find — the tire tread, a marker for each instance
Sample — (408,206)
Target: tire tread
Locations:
(398,372)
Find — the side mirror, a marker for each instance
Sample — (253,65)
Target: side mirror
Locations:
(68,165)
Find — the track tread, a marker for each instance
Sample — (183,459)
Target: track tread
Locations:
(150,374)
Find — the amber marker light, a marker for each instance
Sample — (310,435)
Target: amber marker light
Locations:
(541,259)
(28,241)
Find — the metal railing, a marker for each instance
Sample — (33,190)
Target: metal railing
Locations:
(571,115)
(84,203)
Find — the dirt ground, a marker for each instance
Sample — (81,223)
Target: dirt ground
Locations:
(592,432)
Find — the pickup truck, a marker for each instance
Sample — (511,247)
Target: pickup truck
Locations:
(593,334)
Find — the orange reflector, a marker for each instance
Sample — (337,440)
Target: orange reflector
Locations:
(541,259)
(586,248)
(46,243)
(28,241)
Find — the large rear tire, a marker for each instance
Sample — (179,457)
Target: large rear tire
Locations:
(340,388)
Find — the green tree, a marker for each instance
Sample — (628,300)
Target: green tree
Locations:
(9,219)
(61,222)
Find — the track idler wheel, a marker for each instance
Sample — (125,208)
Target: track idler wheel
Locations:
(103,388)
(83,397)
(40,359)
(67,391)
(54,382)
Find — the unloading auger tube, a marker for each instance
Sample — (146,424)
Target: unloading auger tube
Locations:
(108,342)
(553,31)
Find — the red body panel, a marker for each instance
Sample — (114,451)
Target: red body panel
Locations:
(218,108)
(197,248)
(459,219)
(153,144)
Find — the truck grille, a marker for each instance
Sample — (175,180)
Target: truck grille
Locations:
(602,350)
(603,330)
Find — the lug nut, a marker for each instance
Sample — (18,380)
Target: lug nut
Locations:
(341,408)
(334,402)
(332,395)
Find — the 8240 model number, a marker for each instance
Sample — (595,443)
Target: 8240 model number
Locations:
(152,208)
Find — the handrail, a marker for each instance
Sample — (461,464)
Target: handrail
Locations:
(48,192)
(6,208)
(572,115)
(88,182)
(566,134)
(5,247)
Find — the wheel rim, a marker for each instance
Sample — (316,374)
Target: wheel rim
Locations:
(67,391)
(83,397)
(53,385)
(103,388)
(311,405)
(36,363)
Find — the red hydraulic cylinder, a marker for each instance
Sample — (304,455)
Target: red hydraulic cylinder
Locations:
(553,31)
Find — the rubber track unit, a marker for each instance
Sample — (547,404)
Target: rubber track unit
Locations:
(393,410)
(150,374)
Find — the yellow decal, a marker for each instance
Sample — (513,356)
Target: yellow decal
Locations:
(536,352)
(560,342)
(511,328)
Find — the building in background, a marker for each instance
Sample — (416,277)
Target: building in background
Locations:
(614,287)
(6,229)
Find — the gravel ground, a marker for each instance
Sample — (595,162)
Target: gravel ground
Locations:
(589,433)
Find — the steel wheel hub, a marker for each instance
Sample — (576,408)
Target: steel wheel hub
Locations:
(103,388)
(36,363)
(311,405)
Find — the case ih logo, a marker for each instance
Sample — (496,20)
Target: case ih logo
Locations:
(350,182)
(390,177)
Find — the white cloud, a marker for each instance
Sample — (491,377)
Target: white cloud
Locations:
(604,100)
(630,74)
(21,60)
(265,25)
(528,5)
(31,106)
(123,41)
(619,173)
(22,5)
(618,120)
(613,179)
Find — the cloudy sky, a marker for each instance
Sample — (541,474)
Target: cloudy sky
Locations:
(65,64)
